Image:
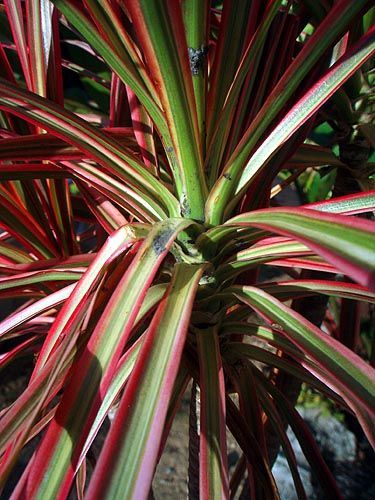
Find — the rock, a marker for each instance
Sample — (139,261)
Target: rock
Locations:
(338,446)
(284,479)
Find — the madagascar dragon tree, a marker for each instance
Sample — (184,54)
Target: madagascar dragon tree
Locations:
(143,146)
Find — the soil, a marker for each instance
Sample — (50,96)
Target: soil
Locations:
(170,481)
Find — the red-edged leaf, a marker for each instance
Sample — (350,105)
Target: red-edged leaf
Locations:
(161,35)
(69,127)
(152,380)
(347,373)
(357,203)
(346,242)
(285,290)
(236,179)
(58,454)
(213,466)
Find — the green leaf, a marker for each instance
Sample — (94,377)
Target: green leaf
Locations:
(196,16)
